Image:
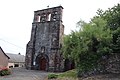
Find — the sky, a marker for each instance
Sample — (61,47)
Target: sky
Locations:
(16,17)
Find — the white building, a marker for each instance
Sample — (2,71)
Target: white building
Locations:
(16,60)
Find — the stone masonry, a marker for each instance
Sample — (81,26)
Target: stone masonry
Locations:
(43,49)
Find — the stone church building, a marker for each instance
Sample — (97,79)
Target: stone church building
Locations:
(43,49)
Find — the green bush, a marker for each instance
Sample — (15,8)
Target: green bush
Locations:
(51,76)
(4,72)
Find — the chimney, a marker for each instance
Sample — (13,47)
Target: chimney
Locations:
(19,54)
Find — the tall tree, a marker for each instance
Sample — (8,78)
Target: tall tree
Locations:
(88,45)
(94,40)
(112,16)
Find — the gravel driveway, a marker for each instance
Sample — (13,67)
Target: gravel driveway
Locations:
(23,74)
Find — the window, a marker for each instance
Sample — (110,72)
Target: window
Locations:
(55,12)
(49,17)
(54,19)
(54,39)
(42,49)
(10,66)
(16,65)
(43,17)
(38,19)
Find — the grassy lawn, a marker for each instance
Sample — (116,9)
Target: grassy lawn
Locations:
(71,75)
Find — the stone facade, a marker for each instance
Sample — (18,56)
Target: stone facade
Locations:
(43,49)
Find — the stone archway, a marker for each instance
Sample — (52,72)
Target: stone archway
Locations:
(42,62)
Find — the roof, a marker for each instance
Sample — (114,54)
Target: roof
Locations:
(4,53)
(50,8)
(16,58)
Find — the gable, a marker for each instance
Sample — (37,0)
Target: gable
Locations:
(2,52)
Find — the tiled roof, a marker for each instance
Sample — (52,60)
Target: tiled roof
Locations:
(16,57)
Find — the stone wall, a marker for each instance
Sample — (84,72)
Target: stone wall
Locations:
(113,64)
(107,64)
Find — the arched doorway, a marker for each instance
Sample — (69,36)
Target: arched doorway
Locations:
(69,64)
(42,63)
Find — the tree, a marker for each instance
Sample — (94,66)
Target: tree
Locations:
(94,40)
(87,45)
(112,16)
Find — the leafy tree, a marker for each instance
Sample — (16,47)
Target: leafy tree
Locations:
(87,45)
(94,40)
(116,41)
(112,16)
(95,43)
(70,43)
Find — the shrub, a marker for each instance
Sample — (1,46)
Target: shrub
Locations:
(4,71)
(51,76)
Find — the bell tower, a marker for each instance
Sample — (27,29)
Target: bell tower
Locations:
(43,49)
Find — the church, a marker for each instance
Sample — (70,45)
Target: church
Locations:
(43,49)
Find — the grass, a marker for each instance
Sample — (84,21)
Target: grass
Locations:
(52,76)
(71,75)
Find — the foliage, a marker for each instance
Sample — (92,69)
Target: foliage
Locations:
(52,76)
(70,42)
(88,45)
(94,41)
(116,41)
(70,73)
(4,71)
(112,16)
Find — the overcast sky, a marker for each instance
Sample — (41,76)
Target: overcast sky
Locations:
(16,18)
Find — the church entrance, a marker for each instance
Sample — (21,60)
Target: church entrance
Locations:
(43,62)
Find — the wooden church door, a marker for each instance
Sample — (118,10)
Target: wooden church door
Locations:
(43,64)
